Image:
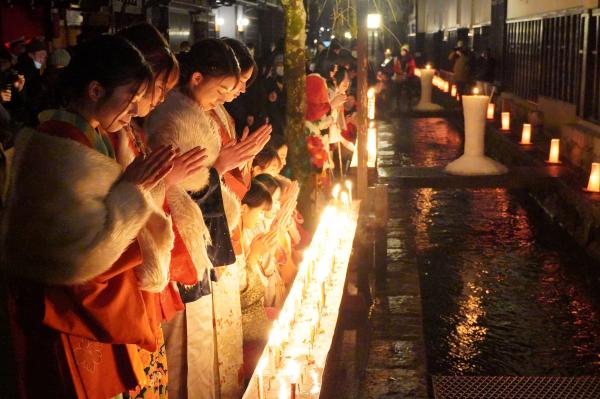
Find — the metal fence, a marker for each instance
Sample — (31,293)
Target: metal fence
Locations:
(523,61)
(487,387)
(556,56)
(591,95)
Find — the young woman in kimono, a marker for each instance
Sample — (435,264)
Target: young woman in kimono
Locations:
(131,142)
(86,242)
(209,71)
(226,288)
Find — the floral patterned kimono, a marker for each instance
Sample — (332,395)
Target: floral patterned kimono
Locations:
(226,296)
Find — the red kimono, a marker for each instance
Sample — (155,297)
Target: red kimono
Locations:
(82,340)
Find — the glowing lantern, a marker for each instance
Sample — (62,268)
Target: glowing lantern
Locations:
(506,121)
(554,151)
(594,182)
(526,134)
(491,110)
(371,104)
(371,145)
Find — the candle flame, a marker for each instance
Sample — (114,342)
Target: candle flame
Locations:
(428,66)
(476,91)
(335,192)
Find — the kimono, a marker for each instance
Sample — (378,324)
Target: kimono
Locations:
(85,252)
(203,210)
(228,316)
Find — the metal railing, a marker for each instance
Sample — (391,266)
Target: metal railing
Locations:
(505,387)
(590,102)
(546,56)
(523,57)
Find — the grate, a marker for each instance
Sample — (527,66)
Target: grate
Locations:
(463,387)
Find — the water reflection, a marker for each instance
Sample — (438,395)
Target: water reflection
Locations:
(504,293)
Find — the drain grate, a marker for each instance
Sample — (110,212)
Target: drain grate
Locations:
(462,387)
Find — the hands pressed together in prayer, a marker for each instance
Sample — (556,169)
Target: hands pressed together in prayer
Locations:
(236,153)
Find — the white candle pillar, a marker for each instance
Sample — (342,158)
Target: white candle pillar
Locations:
(474,161)
(425,103)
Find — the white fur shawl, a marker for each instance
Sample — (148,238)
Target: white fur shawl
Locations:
(156,237)
(69,218)
(179,121)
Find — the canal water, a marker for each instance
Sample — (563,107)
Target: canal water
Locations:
(504,291)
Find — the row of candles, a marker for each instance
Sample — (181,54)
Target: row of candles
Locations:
(305,306)
(554,152)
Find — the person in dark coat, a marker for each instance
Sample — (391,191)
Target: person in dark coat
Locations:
(30,65)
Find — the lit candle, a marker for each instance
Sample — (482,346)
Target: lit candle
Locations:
(506,121)
(371,145)
(526,134)
(554,156)
(259,376)
(371,103)
(283,394)
(446,87)
(345,200)
(453,91)
(349,187)
(594,182)
(428,66)
(293,371)
(490,111)
(335,192)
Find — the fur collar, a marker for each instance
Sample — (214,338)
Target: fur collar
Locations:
(181,122)
(68,218)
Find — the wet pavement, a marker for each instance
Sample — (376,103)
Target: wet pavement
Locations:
(476,280)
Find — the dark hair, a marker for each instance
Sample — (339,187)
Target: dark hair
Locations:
(109,60)
(244,58)
(153,46)
(257,196)
(335,45)
(270,183)
(210,57)
(265,157)
(5,54)
(339,76)
(277,141)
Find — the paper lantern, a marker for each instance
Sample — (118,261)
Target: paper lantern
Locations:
(594,181)
(526,134)
(554,156)
(491,109)
(506,121)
